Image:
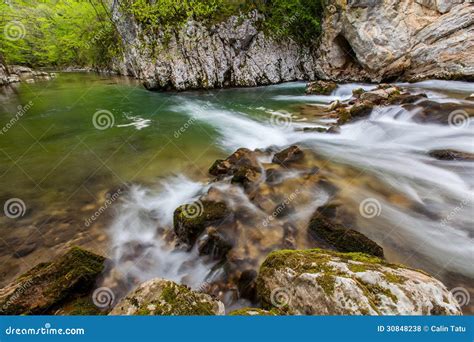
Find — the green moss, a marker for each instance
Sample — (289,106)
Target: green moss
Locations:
(49,285)
(361,109)
(343,116)
(394,279)
(177,300)
(191,220)
(252,312)
(83,307)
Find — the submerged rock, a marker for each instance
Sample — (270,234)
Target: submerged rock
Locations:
(190,220)
(320,88)
(323,226)
(214,244)
(166,298)
(45,286)
(318,282)
(451,155)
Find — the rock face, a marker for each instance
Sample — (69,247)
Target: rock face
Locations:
(46,285)
(364,40)
(233,53)
(397,39)
(164,297)
(318,282)
(3,75)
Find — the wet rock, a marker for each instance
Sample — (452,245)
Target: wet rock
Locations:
(25,249)
(246,176)
(164,298)
(321,88)
(247,285)
(451,155)
(406,99)
(45,286)
(375,96)
(334,130)
(324,226)
(315,129)
(470,97)
(288,156)
(358,92)
(253,312)
(242,158)
(273,176)
(444,113)
(361,109)
(214,244)
(319,282)
(190,220)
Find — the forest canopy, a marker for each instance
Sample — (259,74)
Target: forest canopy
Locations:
(60,33)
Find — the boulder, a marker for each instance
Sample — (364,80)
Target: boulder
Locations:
(47,285)
(190,220)
(320,88)
(166,298)
(324,226)
(411,41)
(319,282)
(288,156)
(214,244)
(252,312)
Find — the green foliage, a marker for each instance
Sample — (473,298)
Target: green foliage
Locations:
(299,19)
(56,33)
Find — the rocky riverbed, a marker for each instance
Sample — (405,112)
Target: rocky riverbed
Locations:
(271,231)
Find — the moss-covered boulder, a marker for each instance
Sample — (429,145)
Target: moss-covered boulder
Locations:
(324,226)
(166,298)
(190,220)
(47,286)
(253,312)
(320,282)
(321,87)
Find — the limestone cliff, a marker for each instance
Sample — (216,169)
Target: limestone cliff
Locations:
(379,40)
(362,40)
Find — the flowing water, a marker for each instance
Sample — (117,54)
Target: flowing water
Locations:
(160,146)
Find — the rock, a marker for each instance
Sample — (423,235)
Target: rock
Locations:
(13,78)
(166,298)
(247,285)
(288,156)
(190,220)
(470,97)
(451,155)
(236,52)
(410,41)
(358,92)
(45,286)
(247,176)
(20,69)
(319,282)
(252,312)
(361,109)
(321,88)
(243,157)
(214,244)
(324,226)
